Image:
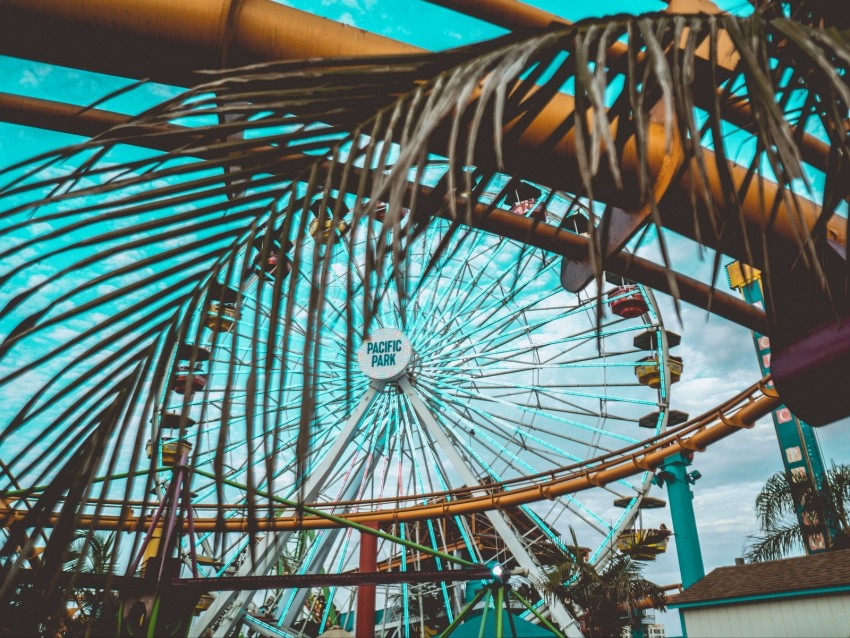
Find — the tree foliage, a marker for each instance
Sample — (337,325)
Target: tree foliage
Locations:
(824,508)
(604,599)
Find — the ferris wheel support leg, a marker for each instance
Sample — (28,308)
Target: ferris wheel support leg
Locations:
(366,593)
(325,546)
(500,523)
(271,545)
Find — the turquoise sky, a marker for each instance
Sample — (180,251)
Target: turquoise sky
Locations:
(719,357)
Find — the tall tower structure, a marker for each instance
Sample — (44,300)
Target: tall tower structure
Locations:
(801,455)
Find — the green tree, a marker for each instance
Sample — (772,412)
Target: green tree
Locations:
(782,531)
(603,599)
(92,553)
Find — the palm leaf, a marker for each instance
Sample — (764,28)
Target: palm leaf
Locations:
(264,142)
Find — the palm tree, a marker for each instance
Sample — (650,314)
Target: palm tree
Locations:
(823,509)
(604,599)
(92,552)
(257,146)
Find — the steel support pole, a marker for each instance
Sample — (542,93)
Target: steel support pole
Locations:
(674,475)
(365,627)
(798,443)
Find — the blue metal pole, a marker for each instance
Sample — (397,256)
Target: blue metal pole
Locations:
(636,622)
(674,474)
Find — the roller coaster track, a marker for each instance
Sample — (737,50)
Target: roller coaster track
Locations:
(739,412)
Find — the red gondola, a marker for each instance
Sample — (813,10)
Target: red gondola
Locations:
(181,384)
(189,379)
(276,259)
(627,302)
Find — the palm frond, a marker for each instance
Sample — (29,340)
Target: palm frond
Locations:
(781,541)
(791,508)
(148,239)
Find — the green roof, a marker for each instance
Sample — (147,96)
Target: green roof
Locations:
(471,628)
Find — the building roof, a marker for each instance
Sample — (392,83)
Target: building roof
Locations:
(827,571)
(471,628)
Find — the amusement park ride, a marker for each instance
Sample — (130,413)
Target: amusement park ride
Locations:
(500,394)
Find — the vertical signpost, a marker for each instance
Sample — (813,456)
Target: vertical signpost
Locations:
(801,454)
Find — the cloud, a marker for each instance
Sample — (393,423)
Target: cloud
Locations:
(347,18)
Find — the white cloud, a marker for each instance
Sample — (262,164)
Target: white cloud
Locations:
(347,18)
(351,4)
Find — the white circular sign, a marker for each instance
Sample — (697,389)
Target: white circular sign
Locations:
(385,354)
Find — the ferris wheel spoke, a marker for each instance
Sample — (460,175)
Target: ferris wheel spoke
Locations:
(494,332)
(291,423)
(352,487)
(570,502)
(557,393)
(335,312)
(284,445)
(460,270)
(455,391)
(575,340)
(473,296)
(549,390)
(407,413)
(521,436)
(272,546)
(497,519)
(523,432)
(468,424)
(440,479)
(439,319)
(433,467)
(497,302)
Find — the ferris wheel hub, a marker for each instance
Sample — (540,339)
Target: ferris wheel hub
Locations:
(385,355)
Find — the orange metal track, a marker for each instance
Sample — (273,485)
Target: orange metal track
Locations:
(144,37)
(514,15)
(70,119)
(741,411)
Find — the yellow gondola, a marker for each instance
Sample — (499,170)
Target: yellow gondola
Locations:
(648,373)
(171,451)
(204,603)
(323,233)
(223,312)
(222,317)
(644,544)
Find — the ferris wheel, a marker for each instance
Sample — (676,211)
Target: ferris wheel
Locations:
(476,369)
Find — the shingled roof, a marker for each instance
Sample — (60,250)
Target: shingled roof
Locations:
(806,573)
